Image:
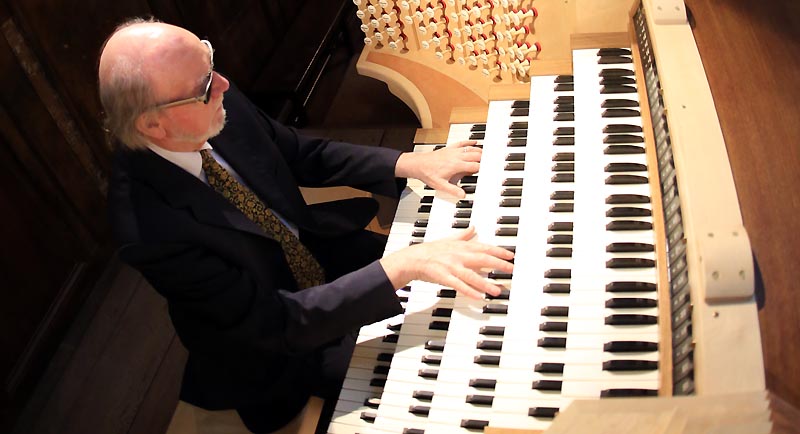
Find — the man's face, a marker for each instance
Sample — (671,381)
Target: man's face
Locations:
(189,124)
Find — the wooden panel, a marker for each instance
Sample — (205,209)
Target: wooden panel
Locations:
(751,53)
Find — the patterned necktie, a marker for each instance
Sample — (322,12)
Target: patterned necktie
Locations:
(306,270)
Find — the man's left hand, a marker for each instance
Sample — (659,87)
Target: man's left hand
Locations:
(441,168)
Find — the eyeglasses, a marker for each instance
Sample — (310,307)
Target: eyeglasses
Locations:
(206,96)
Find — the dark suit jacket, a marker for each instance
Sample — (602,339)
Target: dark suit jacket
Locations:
(250,333)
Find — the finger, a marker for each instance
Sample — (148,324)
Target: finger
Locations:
(463,143)
(478,283)
(483,261)
(449,189)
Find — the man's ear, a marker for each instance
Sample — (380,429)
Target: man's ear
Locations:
(149,125)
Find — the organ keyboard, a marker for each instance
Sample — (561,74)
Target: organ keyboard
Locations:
(632,273)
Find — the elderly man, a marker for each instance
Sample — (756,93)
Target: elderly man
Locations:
(264,291)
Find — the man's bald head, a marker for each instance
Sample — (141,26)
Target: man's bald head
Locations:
(137,69)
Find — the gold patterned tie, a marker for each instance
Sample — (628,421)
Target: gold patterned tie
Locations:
(306,270)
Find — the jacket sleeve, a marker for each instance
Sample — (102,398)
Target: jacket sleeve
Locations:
(219,307)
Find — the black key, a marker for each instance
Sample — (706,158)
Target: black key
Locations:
(474,424)
(445,312)
(428,373)
(547,385)
(394,327)
(627,198)
(559,252)
(617,80)
(423,395)
(495,309)
(626,180)
(514,143)
(492,330)
(559,239)
(612,139)
(627,393)
(629,225)
(550,342)
(512,182)
(463,214)
(520,112)
(610,60)
(620,113)
(563,167)
(565,99)
(555,311)
(424,209)
(564,117)
(631,319)
(515,191)
(446,293)
(521,104)
(490,345)
(631,287)
(628,211)
(470,179)
(618,103)
(482,383)
(630,347)
(421,223)
(468,189)
(515,156)
(617,89)
(429,359)
(437,147)
(377,382)
(514,166)
(562,207)
(613,52)
(434,345)
(477,136)
(566,87)
(418,233)
(564,156)
(478,127)
(626,167)
(553,326)
(564,141)
(368,416)
(543,412)
(622,129)
(558,273)
(509,248)
(460,224)
(624,247)
(413,431)
(564,131)
(560,227)
(518,125)
(392,339)
(485,359)
(511,203)
(623,150)
(560,195)
(506,232)
(480,399)
(556,288)
(616,72)
(565,79)
(419,410)
(500,275)
(508,220)
(518,134)
(630,263)
(385,357)
(630,303)
(504,294)
(464,203)
(549,368)
(565,108)
(381,369)
(372,402)
(563,177)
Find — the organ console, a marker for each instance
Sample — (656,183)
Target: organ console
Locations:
(608,176)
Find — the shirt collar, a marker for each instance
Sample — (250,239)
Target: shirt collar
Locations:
(190,161)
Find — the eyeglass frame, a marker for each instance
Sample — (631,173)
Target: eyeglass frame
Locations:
(206,96)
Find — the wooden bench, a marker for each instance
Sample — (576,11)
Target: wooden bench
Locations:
(188,419)
(282,89)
